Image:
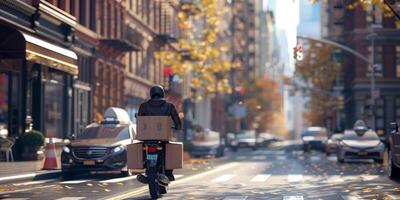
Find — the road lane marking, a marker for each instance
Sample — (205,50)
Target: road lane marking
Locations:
(33,182)
(332,158)
(75,182)
(350,197)
(281,157)
(293,197)
(315,158)
(27,189)
(260,178)
(7,178)
(235,198)
(224,178)
(293,178)
(71,198)
(259,157)
(241,158)
(179,176)
(144,189)
(118,180)
(369,177)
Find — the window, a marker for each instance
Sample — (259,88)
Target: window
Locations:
(398,61)
(102,17)
(82,12)
(72,7)
(92,15)
(374,15)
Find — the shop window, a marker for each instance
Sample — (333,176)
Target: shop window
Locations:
(398,61)
(397,105)
(4,105)
(54,105)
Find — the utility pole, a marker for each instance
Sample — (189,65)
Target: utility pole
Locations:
(373,93)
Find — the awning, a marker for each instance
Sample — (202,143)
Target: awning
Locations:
(40,51)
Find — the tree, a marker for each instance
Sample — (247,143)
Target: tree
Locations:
(264,104)
(317,73)
(202,52)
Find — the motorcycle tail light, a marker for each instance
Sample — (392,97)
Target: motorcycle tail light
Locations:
(152,149)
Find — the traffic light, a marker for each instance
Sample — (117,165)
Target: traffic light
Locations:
(298,52)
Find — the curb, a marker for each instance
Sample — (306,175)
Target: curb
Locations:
(40,175)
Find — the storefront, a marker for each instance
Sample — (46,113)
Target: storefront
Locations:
(36,79)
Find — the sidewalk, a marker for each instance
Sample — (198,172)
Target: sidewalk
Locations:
(26,170)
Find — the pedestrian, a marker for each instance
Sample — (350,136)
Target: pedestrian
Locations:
(158,106)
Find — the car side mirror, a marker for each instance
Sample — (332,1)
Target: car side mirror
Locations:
(394,126)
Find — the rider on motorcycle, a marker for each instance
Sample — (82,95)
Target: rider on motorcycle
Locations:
(158,106)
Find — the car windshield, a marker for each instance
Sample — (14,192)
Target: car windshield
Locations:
(246,134)
(320,133)
(367,136)
(102,131)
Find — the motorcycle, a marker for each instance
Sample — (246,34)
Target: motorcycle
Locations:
(155,168)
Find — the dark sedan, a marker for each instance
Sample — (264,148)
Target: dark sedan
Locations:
(100,147)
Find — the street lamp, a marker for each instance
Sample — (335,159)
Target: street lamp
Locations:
(372,36)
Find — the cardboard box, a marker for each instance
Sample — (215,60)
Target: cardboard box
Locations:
(135,156)
(154,128)
(174,155)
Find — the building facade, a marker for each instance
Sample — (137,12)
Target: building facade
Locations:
(37,68)
(151,26)
(356,32)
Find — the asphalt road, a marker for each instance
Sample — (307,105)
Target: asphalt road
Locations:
(282,172)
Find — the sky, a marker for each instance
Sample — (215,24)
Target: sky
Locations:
(287,18)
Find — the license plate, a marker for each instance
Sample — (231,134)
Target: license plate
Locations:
(89,162)
(362,153)
(151,156)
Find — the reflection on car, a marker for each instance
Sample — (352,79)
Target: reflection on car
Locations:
(100,147)
(314,138)
(332,143)
(245,139)
(360,146)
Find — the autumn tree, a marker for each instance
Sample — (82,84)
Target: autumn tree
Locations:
(317,73)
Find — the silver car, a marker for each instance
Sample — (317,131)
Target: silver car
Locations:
(366,145)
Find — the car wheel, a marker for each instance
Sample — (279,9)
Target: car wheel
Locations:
(306,147)
(393,170)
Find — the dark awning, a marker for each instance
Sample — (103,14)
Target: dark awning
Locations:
(17,44)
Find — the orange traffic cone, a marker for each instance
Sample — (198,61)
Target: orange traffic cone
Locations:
(50,161)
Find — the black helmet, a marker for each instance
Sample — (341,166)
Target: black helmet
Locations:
(157,91)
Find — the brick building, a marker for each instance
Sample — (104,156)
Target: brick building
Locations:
(151,26)
(352,27)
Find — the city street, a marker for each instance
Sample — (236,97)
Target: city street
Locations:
(281,172)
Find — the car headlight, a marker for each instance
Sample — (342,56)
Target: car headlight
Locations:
(66,149)
(118,149)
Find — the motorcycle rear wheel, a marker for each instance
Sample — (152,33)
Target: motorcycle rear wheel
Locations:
(154,187)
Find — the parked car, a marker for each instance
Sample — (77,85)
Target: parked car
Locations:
(355,145)
(314,138)
(246,139)
(394,152)
(207,144)
(100,147)
(332,143)
(267,139)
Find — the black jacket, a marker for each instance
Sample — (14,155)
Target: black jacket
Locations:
(160,107)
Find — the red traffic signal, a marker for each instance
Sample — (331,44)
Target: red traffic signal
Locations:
(298,52)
